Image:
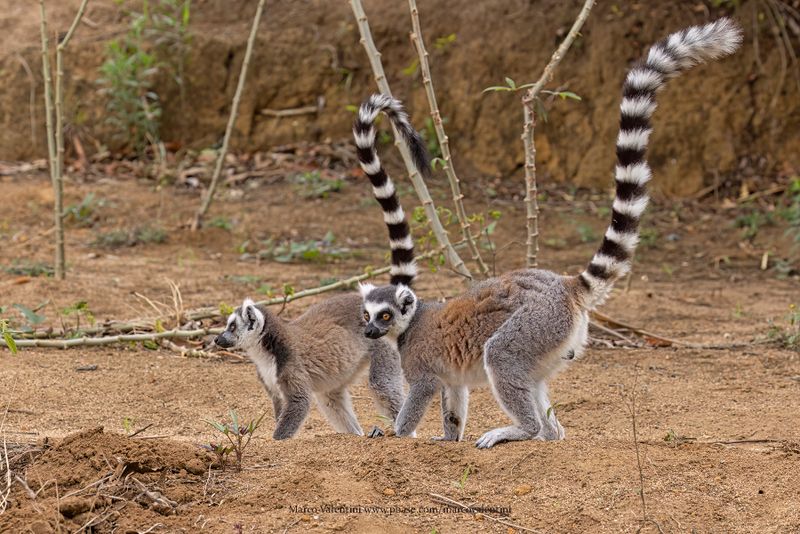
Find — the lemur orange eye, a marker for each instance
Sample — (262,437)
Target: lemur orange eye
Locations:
(386,316)
(366,316)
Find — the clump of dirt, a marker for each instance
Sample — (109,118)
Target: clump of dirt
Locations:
(104,480)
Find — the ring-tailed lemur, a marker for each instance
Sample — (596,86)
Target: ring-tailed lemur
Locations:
(318,354)
(519,329)
(321,352)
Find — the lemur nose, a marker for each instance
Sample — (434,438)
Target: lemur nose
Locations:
(372,332)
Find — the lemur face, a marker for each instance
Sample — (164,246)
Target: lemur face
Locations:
(244,327)
(387,310)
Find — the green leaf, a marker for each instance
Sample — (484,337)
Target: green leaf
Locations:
(12,345)
(351,108)
(234,419)
(510,83)
(30,316)
(496,88)
(568,94)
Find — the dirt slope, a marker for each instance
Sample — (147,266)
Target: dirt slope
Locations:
(746,107)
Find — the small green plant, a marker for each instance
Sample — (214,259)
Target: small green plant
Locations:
(462,480)
(788,335)
(312,250)
(313,185)
(751,223)
(31,317)
(85,213)
(156,40)
(444,42)
(223,223)
(29,269)
(511,86)
(130,238)
(791,214)
(6,334)
(78,310)
(431,139)
(238,436)
(586,233)
(127,424)
(648,237)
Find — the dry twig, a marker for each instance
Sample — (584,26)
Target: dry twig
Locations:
(198,220)
(528,101)
(416,179)
(444,142)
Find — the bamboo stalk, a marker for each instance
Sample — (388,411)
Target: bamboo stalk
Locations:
(416,179)
(60,266)
(528,100)
(110,340)
(198,220)
(444,142)
(51,148)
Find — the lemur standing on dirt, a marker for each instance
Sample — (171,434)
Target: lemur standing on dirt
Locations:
(322,352)
(519,329)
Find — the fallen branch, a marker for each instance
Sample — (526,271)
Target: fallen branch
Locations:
(528,100)
(110,340)
(444,142)
(416,179)
(608,320)
(46,339)
(446,500)
(198,220)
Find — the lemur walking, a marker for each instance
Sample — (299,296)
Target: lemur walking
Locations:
(518,330)
(322,352)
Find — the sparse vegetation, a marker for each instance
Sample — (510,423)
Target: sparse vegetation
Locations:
(120,238)
(787,334)
(156,40)
(288,251)
(84,213)
(6,334)
(313,185)
(238,437)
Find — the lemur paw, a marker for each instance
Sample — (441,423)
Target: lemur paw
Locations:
(376,433)
(444,438)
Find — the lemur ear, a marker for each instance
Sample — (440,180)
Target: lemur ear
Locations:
(365,289)
(405,298)
(251,313)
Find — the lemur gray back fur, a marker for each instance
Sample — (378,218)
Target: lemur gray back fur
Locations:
(518,330)
(404,268)
(317,355)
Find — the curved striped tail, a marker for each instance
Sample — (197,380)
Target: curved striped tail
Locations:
(404,267)
(668,58)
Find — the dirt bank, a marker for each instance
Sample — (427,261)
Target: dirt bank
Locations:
(747,106)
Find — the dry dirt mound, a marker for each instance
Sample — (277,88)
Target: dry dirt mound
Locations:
(104,480)
(745,106)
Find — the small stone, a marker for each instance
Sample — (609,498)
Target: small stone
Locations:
(524,489)
(390,492)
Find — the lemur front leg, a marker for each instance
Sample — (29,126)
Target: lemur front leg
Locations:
(415,405)
(386,381)
(455,400)
(292,414)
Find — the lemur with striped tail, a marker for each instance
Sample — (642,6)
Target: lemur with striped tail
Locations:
(518,330)
(319,354)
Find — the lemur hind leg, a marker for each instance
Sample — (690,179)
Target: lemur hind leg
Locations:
(386,381)
(455,401)
(337,408)
(517,361)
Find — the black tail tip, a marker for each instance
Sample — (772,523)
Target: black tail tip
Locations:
(420,154)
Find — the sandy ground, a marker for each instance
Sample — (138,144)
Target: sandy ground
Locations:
(719,443)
